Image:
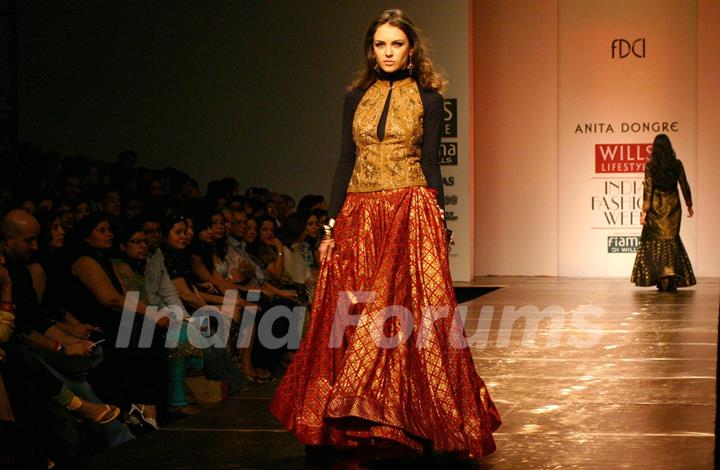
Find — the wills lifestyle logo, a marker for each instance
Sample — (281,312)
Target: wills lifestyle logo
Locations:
(621,158)
(575,327)
(622,48)
(623,243)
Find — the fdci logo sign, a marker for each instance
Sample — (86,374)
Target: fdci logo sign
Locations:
(623,243)
(622,48)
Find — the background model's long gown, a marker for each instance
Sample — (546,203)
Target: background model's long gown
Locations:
(661,252)
(342,388)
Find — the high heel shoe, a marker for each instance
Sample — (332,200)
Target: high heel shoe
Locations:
(84,409)
(137,417)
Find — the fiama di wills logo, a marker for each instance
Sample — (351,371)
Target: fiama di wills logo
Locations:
(621,158)
(623,243)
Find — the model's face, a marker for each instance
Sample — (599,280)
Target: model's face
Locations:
(177,237)
(312,226)
(57,234)
(267,232)
(136,247)
(101,237)
(391,48)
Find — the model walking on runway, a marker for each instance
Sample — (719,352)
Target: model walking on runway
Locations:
(382,365)
(661,259)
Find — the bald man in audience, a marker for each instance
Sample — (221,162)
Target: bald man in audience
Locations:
(20,231)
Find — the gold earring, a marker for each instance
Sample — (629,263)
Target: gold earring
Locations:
(410,66)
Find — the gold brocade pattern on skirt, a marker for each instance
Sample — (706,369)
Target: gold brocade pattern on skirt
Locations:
(423,393)
(659,258)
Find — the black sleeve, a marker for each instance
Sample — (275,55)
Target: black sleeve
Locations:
(346,164)
(647,189)
(433,109)
(684,186)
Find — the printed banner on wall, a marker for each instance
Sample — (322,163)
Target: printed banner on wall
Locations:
(455,167)
(626,74)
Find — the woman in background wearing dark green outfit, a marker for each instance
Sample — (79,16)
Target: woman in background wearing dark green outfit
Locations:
(661,258)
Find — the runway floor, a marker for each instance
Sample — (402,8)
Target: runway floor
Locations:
(623,378)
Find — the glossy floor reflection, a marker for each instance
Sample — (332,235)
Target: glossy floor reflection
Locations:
(615,377)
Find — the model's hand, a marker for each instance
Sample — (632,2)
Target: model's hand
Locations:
(326,249)
(691,212)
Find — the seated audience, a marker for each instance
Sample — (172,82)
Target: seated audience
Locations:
(175,233)
(60,298)
(96,296)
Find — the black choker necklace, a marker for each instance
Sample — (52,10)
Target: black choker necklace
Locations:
(394,76)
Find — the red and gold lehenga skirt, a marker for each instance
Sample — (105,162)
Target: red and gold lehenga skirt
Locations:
(382,365)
